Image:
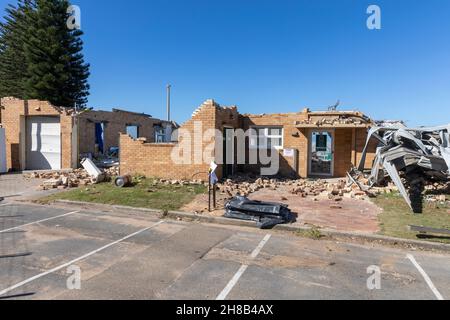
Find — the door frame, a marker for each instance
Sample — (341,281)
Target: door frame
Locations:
(333,144)
(225,172)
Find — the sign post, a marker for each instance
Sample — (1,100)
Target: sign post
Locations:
(212,181)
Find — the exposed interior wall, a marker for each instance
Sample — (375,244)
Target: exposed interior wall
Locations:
(114,123)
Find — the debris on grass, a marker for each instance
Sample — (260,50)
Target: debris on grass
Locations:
(69,178)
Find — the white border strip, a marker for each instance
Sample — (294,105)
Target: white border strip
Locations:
(223,295)
(20,284)
(426,277)
(40,221)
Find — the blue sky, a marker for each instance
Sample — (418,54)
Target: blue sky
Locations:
(270,56)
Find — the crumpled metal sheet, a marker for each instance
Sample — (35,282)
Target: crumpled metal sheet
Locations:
(405,149)
(265,214)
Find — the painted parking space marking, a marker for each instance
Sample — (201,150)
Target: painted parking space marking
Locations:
(40,221)
(426,277)
(223,295)
(65,265)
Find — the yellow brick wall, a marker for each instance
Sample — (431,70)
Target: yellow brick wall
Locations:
(14,112)
(155,160)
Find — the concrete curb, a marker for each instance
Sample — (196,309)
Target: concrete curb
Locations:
(335,235)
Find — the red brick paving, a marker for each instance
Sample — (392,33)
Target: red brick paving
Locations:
(354,215)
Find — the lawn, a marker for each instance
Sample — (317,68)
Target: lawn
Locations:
(397,216)
(144,193)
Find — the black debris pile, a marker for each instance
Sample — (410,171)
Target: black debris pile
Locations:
(411,157)
(265,214)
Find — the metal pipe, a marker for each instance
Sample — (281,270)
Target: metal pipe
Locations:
(168,102)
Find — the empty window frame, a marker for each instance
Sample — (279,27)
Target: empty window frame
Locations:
(266,137)
(160,135)
(133,131)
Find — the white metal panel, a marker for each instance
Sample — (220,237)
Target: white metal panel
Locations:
(43,143)
(2,151)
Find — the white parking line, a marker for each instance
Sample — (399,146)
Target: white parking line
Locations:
(223,295)
(36,222)
(426,277)
(5,204)
(65,265)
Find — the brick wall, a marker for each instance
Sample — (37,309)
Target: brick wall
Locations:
(293,139)
(14,112)
(342,151)
(349,144)
(13,117)
(155,160)
(360,142)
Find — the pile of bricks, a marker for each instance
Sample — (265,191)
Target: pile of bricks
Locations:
(68,179)
(302,187)
(112,171)
(180,182)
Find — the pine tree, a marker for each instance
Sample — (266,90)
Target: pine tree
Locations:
(55,64)
(13,65)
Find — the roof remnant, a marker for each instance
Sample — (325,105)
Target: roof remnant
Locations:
(131,112)
(335,119)
(408,153)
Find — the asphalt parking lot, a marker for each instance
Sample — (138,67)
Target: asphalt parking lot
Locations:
(132,256)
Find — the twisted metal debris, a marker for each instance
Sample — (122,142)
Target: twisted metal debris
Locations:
(406,152)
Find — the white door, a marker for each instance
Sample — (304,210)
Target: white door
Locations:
(2,151)
(43,143)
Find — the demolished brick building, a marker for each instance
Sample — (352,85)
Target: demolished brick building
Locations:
(308,144)
(40,136)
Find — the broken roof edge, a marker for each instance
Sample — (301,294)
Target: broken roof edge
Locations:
(131,112)
(366,121)
(307,111)
(36,103)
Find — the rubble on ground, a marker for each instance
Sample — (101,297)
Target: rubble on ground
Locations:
(69,178)
(180,182)
(316,188)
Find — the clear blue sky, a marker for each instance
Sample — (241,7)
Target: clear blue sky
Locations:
(270,56)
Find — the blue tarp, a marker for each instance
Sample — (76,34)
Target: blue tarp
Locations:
(99,136)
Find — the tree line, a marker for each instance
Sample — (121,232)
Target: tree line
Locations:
(40,56)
